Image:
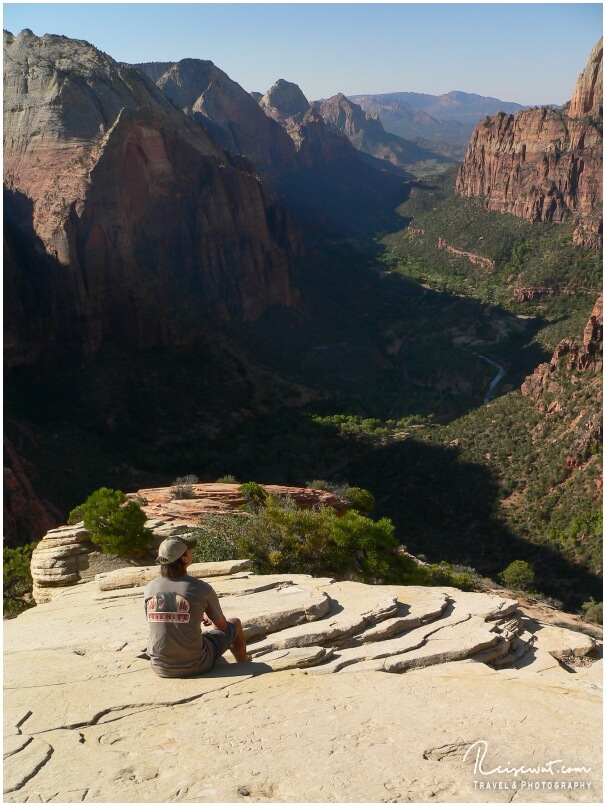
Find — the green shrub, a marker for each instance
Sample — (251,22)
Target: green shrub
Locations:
(228,479)
(592,611)
(319,484)
(456,576)
(280,537)
(116,524)
(183,486)
(254,494)
(215,539)
(518,575)
(361,500)
(17,579)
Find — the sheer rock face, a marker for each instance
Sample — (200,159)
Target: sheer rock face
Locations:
(569,357)
(350,118)
(119,208)
(280,134)
(568,391)
(314,141)
(209,96)
(543,164)
(588,94)
(26,517)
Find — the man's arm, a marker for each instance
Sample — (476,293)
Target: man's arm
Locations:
(218,623)
(214,614)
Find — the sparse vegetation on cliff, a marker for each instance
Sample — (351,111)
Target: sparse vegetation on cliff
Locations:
(16,579)
(281,537)
(114,523)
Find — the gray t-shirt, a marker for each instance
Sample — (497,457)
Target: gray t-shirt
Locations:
(175,609)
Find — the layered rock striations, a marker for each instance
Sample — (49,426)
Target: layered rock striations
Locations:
(123,219)
(402,681)
(544,164)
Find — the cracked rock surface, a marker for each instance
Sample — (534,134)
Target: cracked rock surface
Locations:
(313,716)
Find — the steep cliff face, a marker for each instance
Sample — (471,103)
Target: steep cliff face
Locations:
(587,99)
(543,164)
(325,182)
(315,142)
(570,356)
(208,95)
(124,219)
(568,389)
(26,518)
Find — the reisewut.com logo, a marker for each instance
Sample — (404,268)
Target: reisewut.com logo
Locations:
(555,774)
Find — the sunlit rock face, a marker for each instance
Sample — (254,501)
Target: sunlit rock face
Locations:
(544,164)
(123,218)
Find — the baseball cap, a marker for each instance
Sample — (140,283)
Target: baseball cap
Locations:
(174,547)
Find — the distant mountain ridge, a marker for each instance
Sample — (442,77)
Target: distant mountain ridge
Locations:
(365,131)
(448,118)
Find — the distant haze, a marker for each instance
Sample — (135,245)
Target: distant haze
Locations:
(528,53)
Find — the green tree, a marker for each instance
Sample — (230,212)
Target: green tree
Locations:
(518,575)
(254,494)
(17,579)
(116,524)
(361,500)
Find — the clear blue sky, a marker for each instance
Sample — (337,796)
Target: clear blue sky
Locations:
(531,53)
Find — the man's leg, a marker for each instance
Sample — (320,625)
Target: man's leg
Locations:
(238,648)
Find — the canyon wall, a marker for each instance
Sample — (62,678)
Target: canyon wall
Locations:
(124,220)
(208,95)
(544,164)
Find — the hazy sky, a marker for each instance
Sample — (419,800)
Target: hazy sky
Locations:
(531,53)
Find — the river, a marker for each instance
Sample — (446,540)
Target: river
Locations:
(498,377)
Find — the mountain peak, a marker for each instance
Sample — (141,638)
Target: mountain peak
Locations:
(587,96)
(285,100)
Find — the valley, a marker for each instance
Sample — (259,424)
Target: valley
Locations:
(318,317)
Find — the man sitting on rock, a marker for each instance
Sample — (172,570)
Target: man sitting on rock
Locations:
(176,605)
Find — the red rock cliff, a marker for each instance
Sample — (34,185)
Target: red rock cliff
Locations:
(123,219)
(543,164)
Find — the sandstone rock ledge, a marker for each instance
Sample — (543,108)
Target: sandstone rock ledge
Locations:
(85,718)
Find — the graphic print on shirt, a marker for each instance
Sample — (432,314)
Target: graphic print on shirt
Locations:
(168,607)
